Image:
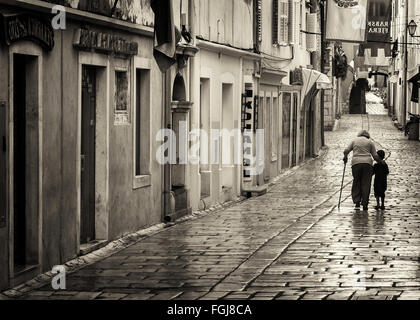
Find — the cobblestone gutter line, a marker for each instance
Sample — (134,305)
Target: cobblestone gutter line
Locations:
(131,239)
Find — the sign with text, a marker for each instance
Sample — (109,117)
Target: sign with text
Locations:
(247,124)
(86,39)
(378,29)
(25,26)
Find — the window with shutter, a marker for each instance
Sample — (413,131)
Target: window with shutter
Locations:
(292,22)
(283,22)
(300,15)
(276,28)
(311,26)
(259,22)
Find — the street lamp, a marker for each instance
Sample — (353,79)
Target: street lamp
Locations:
(412,27)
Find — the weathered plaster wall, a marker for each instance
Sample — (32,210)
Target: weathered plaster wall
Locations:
(52,159)
(132,209)
(218,66)
(129,209)
(228,22)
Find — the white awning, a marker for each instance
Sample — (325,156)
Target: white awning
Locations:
(312,77)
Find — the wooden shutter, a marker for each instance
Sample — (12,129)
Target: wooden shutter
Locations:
(259,22)
(292,22)
(275,24)
(283,22)
(311,26)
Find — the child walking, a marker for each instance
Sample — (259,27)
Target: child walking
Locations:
(381,172)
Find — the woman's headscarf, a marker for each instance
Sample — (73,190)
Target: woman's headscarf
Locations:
(364,133)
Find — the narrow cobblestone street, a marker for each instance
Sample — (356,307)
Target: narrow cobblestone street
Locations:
(291,243)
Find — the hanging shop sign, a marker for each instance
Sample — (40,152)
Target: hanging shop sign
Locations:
(86,39)
(247,100)
(296,77)
(346,20)
(24,26)
(378,30)
(247,124)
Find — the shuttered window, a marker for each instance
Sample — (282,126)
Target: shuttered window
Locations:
(259,22)
(283,22)
(300,26)
(294,21)
(311,26)
(275,31)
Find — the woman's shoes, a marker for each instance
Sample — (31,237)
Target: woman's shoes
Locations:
(365,208)
(357,207)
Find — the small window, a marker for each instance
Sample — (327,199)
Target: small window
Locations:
(142,100)
(274,130)
(121,91)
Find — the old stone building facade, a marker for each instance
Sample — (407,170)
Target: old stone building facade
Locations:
(82,109)
(78,131)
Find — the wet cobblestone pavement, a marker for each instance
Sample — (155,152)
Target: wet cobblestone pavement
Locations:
(291,243)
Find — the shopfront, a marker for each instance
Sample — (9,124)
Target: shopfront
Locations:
(77,137)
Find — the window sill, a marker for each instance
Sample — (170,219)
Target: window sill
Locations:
(142,182)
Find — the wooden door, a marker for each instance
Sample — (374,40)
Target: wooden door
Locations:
(309,131)
(286,109)
(87,221)
(19,162)
(294,136)
(3,146)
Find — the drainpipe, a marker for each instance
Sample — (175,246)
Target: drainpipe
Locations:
(323,48)
(404,113)
(194,119)
(167,125)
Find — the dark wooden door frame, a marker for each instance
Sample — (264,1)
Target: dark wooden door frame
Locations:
(88,159)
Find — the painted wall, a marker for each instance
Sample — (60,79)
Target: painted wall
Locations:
(217,68)
(131,209)
(226,21)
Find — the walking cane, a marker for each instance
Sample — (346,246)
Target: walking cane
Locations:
(342,184)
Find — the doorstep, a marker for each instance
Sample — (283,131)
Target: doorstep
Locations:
(92,246)
(254,191)
(25,274)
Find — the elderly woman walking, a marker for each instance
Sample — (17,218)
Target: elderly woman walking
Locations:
(362,167)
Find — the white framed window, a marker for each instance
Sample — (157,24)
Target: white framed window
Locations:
(122,94)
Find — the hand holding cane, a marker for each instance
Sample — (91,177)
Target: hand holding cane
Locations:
(342,181)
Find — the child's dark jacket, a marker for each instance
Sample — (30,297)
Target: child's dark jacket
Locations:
(381,172)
